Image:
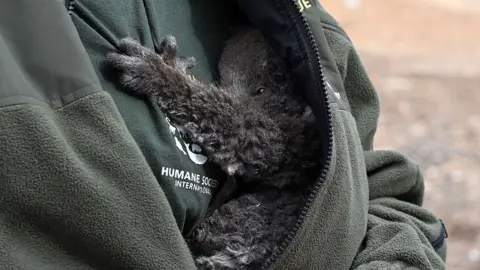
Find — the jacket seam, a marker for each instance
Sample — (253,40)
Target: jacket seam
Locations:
(6,107)
(336,28)
(51,103)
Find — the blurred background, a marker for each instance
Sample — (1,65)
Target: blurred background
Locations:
(424,58)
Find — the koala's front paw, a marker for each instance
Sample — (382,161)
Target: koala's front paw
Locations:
(140,66)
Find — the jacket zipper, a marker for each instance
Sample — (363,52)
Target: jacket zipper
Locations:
(318,184)
(70,4)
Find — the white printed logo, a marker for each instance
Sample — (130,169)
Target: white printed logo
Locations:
(185,145)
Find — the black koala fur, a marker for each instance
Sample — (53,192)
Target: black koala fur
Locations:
(252,124)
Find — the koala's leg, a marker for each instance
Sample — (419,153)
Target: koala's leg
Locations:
(235,135)
(232,236)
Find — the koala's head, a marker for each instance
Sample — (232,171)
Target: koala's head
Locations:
(250,71)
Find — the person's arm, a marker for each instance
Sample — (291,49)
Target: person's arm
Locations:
(75,190)
(401,234)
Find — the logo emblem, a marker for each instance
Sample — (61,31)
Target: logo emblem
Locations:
(185,144)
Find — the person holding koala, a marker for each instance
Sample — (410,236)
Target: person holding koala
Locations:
(95,177)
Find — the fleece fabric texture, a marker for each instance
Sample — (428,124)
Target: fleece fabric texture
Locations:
(369,215)
(79,184)
(200,28)
(75,190)
(76,193)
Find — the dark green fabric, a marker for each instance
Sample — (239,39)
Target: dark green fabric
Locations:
(201,28)
(75,189)
(78,191)
(369,214)
(29,65)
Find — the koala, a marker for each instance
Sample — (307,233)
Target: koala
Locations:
(252,123)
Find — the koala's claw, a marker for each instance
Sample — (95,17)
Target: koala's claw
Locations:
(122,61)
(168,51)
(130,55)
(168,48)
(139,64)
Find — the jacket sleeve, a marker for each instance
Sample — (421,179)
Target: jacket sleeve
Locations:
(401,234)
(75,190)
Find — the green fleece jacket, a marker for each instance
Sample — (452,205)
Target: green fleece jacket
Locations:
(93,178)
